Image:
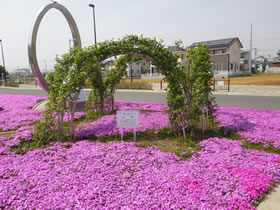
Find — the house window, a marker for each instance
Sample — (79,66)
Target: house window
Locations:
(213,66)
(231,66)
(217,66)
(182,56)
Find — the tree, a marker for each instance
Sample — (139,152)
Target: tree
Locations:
(3,71)
(196,83)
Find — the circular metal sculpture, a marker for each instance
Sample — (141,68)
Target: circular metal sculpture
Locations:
(32,41)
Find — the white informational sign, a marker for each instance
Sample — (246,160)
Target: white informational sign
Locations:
(220,83)
(128,119)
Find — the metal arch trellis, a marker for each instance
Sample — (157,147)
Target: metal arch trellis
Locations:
(32,55)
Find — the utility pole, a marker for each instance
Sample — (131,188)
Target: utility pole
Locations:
(93,13)
(45,66)
(256,52)
(5,76)
(250,57)
(131,78)
(18,74)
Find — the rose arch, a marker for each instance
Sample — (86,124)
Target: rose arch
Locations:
(73,68)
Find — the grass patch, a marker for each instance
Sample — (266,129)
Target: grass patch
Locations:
(259,146)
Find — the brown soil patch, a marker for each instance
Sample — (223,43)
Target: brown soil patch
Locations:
(260,79)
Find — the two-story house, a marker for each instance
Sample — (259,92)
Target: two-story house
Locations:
(181,52)
(224,55)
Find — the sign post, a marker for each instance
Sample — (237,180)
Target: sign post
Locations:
(128,119)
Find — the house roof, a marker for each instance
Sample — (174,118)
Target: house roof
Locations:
(218,43)
(107,61)
(175,49)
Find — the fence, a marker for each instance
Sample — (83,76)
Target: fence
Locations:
(221,84)
(163,79)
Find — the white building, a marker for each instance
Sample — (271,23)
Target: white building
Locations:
(244,61)
(273,66)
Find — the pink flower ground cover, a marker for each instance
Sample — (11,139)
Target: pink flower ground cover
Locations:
(154,120)
(17,111)
(258,126)
(16,114)
(223,175)
(87,175)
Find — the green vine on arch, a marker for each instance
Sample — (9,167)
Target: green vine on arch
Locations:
(73,68)
(101,98)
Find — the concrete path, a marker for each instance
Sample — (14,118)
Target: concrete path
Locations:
(272,201)
(251,90)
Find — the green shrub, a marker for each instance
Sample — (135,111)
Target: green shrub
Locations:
(135,85)
(11,84)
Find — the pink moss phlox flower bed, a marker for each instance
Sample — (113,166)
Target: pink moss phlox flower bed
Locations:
(106,126)
(223,175)
(146,106)
(258,126)
(4,145)
(17,111)
(156,119)
(87,175)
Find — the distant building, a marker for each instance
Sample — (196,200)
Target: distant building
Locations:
(143,69)
(181,52)
(225,56)
(244,61)
(106,66)
(259,63)
(21,74)
(273,66)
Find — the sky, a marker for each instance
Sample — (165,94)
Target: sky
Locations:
(186,20)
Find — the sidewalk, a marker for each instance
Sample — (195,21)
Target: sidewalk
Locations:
(272,201)
(250,90)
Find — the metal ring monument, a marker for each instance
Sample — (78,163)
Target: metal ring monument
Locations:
(32,41)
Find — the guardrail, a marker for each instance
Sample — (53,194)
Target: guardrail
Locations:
(221,84)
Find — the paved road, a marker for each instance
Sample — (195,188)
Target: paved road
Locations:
(258,102)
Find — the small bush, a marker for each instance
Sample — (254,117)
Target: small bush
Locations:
(11,84)
(135,85)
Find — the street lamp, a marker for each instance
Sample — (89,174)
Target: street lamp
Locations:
(3,61)
(131,74)
(92,6)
